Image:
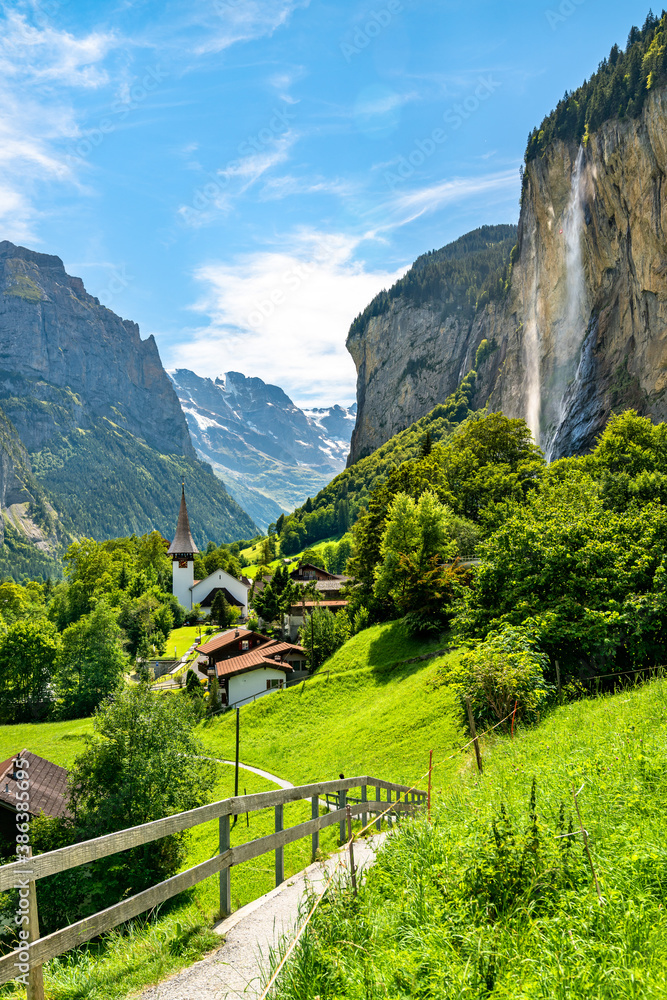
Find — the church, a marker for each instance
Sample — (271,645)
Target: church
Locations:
(190,591)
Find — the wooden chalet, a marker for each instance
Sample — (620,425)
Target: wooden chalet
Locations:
(249,664)
(49,794)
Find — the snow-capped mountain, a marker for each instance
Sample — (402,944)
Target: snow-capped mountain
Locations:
(270,454)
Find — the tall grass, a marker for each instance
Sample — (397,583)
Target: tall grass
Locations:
(480,904)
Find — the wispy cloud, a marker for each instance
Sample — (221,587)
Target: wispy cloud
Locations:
(231,21)
(40,69)
(283,314)
(404,207)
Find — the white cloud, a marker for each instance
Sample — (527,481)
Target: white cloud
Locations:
(242,21)
(46,55)
(37,65)
(403,207)
(283,315)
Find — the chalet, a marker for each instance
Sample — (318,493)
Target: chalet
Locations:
(190,591)
(48,790)
(249,664)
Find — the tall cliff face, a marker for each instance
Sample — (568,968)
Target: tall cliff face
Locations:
(93,440)
(54,336)
(582,329)
(413,345)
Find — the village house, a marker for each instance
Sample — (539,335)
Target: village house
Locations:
(48,791)
(190,591)
(329,589)
(249,664)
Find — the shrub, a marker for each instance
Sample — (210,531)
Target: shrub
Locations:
(505,669)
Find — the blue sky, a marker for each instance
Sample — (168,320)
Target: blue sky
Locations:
(240,177)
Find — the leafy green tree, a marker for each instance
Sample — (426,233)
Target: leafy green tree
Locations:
(415,543)
(505,670)
(322,633)
(221,611)
(28,651)
(277,597)
(90,663)
(142,762)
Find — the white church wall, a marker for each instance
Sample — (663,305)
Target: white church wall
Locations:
(219,578)
(183,578)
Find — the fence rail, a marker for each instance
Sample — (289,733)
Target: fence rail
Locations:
(42,865)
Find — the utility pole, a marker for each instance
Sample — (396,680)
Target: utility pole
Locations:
(236,769)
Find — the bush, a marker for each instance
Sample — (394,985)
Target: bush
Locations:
(505,669)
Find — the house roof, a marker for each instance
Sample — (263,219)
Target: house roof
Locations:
(48,785)
(233,635)
(296,608)
(281,647)
(183,541)
(318,569)
(251,660)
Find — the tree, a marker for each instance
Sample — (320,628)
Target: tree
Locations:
(221,611)
(416,542)
(143,762)
(28,652)
(90,664)
(277,597)
(322,633)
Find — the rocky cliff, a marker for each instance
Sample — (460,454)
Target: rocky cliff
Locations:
(92,436)
(54,336)
(582,327)
(270,454)
(413,345)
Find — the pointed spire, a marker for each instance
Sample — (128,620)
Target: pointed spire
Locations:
(183,543)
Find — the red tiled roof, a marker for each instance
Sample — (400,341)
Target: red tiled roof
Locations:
(233,635)
(281,647)
(48,785)
(249,661)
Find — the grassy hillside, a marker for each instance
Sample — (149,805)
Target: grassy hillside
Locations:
(454,910)
(367,716)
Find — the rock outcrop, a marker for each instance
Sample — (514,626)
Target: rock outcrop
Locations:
(54,336)
(93,440)
(582,329)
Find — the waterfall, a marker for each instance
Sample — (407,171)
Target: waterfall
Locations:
(531,342)
(571,331)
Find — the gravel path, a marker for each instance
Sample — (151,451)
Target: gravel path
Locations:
(281,782)
(235,969)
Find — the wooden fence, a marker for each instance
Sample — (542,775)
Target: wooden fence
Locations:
(26,874)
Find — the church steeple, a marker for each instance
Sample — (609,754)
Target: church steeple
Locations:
(183,550)
(183,543)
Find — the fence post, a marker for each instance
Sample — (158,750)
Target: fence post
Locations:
(364,798)
(35,989)
(280,866)
(342,803)
(314,813)
(390,823)
(473,733)
(226,873)
(378,798)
